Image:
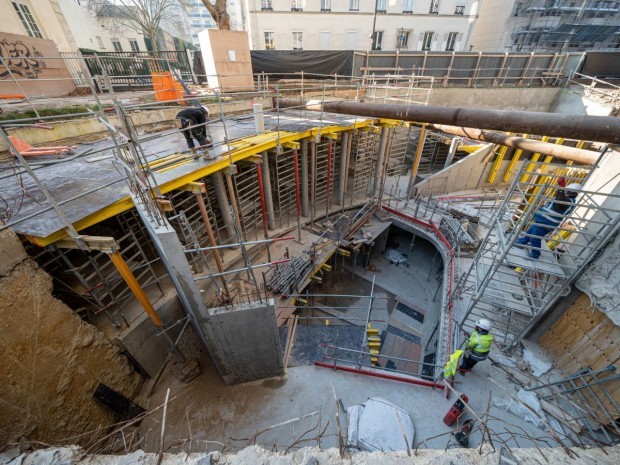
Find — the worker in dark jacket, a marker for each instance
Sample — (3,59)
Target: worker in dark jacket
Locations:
(549,217)
(192,117)
(478,345)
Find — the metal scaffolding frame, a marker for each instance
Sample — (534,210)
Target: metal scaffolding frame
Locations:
(363,161)
(508,287)
(247,193)
(397,151)
(282,166)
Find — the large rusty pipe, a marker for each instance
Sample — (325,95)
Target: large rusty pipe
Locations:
(580,127)
(586,157)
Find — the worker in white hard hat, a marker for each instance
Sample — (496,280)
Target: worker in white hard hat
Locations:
(192,122)
(549,217)
(478,345)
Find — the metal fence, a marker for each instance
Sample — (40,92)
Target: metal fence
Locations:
(130,70)
(464,69)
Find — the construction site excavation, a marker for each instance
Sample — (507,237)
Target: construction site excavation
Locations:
(340,270)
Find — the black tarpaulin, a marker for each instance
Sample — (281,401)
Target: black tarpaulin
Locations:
(308,61)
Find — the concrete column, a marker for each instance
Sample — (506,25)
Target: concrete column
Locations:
(305,202)
(453,146)
(344,161)
(259,120)
(380,158)
(271,218)
(222,203)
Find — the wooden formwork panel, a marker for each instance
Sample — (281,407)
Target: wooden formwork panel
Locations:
(585,337)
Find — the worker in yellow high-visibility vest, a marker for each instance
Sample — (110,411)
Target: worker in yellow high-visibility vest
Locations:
(478,345)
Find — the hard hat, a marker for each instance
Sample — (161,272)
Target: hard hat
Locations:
(483,323)
(575,186)
(205,109)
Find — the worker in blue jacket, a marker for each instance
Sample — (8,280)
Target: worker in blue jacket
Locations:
(549,217)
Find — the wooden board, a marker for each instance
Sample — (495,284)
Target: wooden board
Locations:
(585,337)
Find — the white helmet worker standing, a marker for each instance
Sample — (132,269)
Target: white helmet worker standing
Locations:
(478,345)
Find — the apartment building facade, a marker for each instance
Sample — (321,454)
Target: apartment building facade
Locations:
(547,25)
(423,25)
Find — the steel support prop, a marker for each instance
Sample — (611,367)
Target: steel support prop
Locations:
(305,201)
(580,127)
(380,156)
(135,287)
(211,236)
(586,157)
(271,216)
(344,144)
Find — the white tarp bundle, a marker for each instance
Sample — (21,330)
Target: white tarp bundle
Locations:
(379,425)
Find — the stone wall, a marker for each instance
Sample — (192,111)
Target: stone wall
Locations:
(51,361)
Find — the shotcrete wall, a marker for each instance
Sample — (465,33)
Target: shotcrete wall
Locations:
(51,361)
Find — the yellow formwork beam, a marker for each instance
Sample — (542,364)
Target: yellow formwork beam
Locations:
(240,150)
(525,176)
(513,162)
(499,157)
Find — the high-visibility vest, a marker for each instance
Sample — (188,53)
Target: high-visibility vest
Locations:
(480,343)
(453,364)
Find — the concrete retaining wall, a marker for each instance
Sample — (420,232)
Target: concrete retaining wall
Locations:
(244,341)
(500,98)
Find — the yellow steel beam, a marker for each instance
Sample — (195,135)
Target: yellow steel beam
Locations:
(499,157)
(291,145)
(243,149)
(194,187)
(513,162)
(135,287)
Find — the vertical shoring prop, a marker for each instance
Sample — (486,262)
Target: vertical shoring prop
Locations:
(263,207)
(297,193)
(329,177)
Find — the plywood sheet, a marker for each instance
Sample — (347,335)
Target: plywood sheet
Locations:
(584,337)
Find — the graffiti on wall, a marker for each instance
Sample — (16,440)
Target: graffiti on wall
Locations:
(24,61)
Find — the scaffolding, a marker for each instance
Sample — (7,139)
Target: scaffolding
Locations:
(504,284)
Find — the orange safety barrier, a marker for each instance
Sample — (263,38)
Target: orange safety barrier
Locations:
(11,96)
(166,87)
(27,150)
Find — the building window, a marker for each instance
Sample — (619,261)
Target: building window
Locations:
(265,5)
(100,42)
(408,7)
(354,5)
(427,42)
(451,42)
(133,43)
(27,20)
(382,6)
(459,10)
(434,10)
(270,41)
(518,7)
(117,45)
(376,40)
(326,5)
(298,40)
(297,5)
(402,39)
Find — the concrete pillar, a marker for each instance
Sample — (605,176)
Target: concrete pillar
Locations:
(453,146)
(222,203)
(259,120)
(344,161)
(380,158)
(271,218)
(305,202)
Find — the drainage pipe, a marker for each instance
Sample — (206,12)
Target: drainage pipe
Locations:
(374,374)
(580,127)
(586,157)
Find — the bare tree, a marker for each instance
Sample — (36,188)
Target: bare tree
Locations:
(143,16)
(219,13)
